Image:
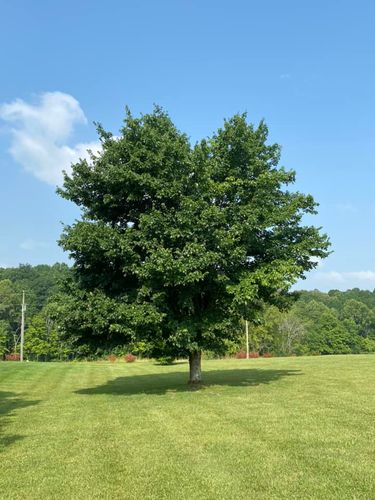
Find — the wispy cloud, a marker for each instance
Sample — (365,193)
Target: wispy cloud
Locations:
(285,76)
(40,133)
(347,208)
(327,280)
(31,244)
(361,275)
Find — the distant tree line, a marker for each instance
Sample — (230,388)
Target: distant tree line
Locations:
(40,283)
(316,323)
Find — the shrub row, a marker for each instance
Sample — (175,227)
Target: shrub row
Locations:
(128,358)
(14,356)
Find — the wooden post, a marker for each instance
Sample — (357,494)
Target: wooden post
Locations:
(22,325)
(247,338)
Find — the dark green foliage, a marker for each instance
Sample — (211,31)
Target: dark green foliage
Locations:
(177,242)
(4,337)
(10,303)
(10,315)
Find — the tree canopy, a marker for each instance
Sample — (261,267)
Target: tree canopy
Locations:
(177,242)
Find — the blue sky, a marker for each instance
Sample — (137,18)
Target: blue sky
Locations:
(306,67)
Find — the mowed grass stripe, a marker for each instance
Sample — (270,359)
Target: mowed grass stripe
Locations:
(277,428)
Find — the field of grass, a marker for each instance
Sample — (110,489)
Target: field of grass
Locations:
(288,428)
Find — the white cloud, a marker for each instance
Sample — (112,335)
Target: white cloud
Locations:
(346,208)
(40,134)
(327,280)
(362,275)
(31,244)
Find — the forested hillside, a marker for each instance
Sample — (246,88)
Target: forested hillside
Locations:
(316,323)
(319,323)
(40,283)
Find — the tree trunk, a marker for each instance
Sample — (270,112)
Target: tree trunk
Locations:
(195,367)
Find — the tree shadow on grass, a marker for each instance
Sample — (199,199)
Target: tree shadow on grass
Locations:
(10,403)
(163,383)
(174,363)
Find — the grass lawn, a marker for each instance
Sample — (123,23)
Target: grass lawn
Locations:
(288,428)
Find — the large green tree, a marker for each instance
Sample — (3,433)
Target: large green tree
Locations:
(176,241)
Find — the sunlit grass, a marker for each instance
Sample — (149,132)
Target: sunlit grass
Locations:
(264,428)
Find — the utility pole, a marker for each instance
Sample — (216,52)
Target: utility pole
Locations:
(247,333)
(22,325)
(247,338)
